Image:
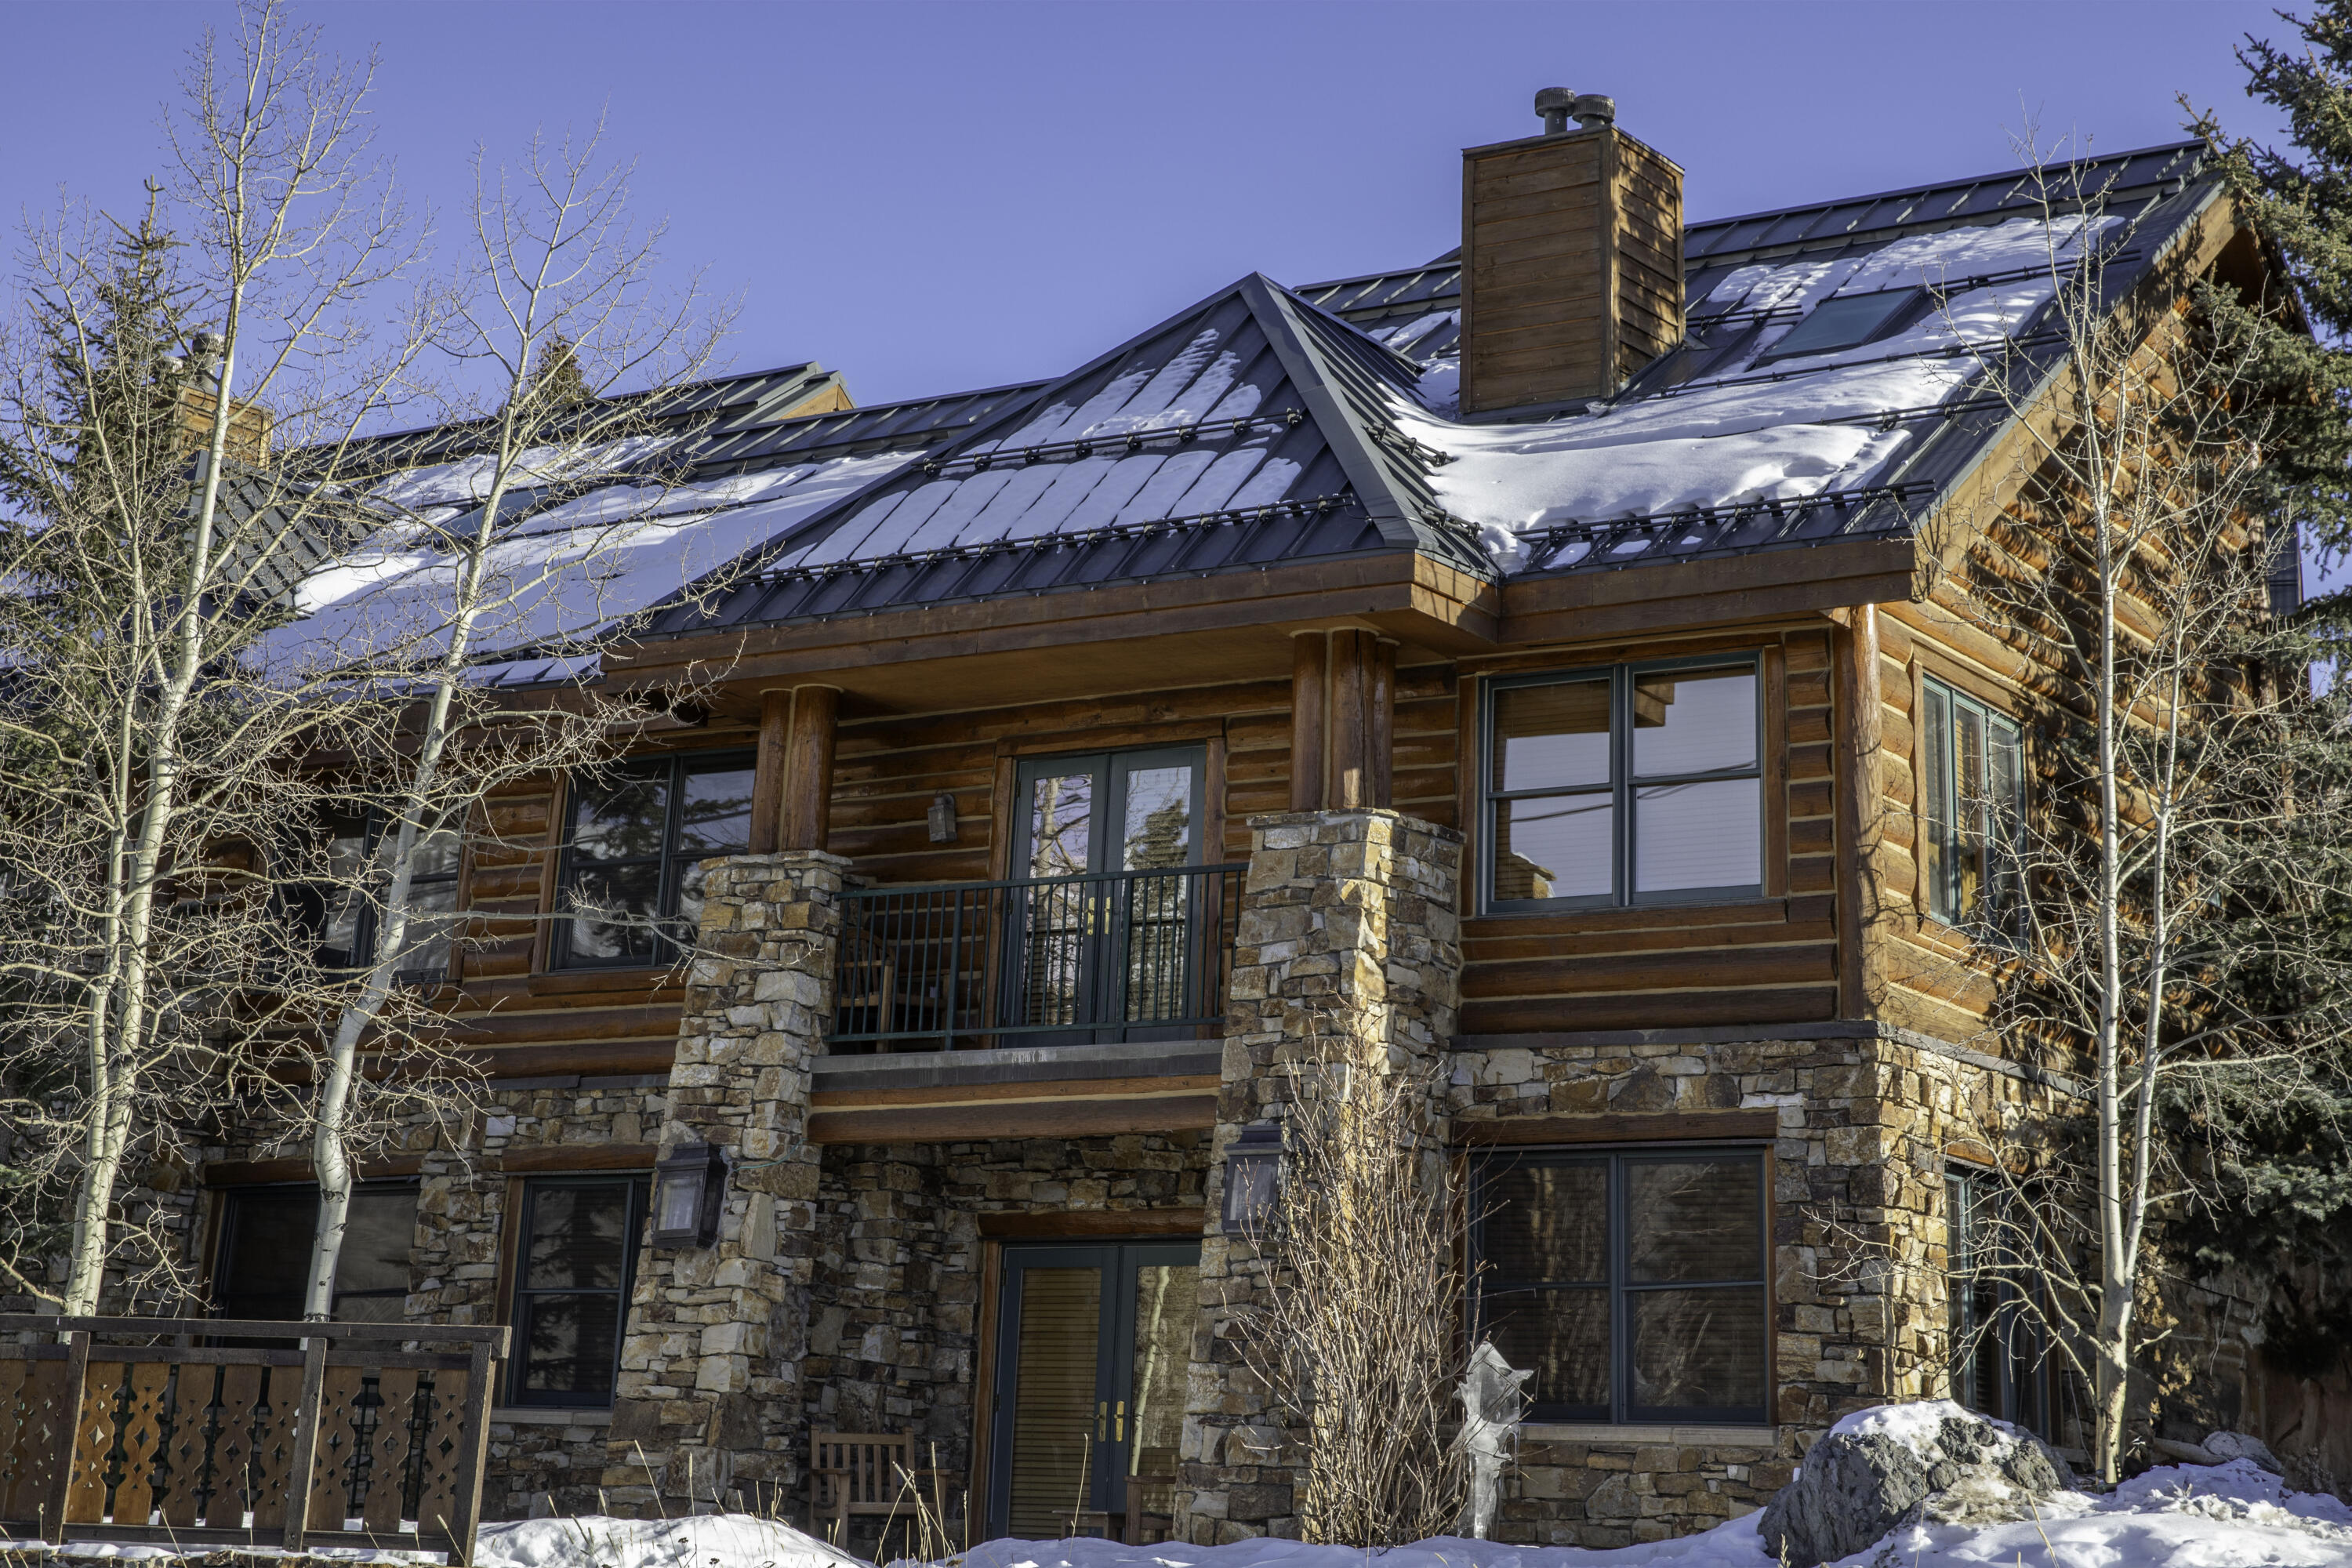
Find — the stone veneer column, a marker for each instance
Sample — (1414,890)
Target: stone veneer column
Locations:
(710,1390)
(1348,924)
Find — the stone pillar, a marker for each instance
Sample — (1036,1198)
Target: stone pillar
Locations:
(709,1390)
(1348,924)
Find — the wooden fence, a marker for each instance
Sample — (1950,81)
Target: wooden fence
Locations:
(354,1435)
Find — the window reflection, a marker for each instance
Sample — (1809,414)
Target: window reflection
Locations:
(1635,782)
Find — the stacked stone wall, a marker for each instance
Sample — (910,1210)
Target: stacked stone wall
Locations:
(1347,929)
(708,1407)
(1864,1125)
(895,1306)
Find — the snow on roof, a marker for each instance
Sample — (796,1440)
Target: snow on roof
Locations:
(561,573)
(1258,425)
(1727,437)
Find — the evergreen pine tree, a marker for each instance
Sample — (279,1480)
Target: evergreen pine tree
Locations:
(79,518)
(557,381)
(2281,1172)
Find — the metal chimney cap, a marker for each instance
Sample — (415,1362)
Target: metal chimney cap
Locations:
(1555,104)
(1593,110)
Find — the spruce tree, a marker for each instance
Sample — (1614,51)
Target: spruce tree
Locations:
(2280,1171)
(79,518)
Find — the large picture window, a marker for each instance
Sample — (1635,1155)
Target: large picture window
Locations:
(1975,806)
(635,836)
(577,1257)
(264,1260)
(1634,785)
(1631,1283)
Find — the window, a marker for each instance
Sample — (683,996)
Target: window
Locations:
(1975,802)
(264,1260)
(1845,321)
(631,881)
(1636,784)
(1996,1340)
(578,1257)
(1631,1283)
(345,916)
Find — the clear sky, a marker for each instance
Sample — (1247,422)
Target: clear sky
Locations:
(933,197)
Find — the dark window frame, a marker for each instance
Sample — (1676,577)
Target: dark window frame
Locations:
(523,1295)
(315,904)
(1949,838)
(234,1200)
(1622,788)
(1621,1410)
(672,861)
(1903,309)
(2011,1347)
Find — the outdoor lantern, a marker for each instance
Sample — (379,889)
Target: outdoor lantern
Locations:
(689,1188)
(1252,1172)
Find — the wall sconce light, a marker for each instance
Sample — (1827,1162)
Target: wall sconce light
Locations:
(689,1187)
(942,821)
(1253,1177)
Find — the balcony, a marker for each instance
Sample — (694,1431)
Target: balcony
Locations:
(1102,958)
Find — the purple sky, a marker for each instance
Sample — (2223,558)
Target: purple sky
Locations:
(932,197)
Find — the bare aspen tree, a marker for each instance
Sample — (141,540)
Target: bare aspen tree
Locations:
(559,305)
(239,618)
(148,769)
(2147,873)
(1359,1334)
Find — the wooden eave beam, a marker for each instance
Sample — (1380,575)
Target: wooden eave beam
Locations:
(1698,593)
(1400,583)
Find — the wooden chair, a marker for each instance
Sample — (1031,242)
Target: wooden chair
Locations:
(1138,1520)
(853,1474)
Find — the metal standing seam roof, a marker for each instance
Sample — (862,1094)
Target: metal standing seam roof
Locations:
(1245,430)
(2154,190)
(1262,424)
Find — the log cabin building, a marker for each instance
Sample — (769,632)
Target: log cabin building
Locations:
(1524,659)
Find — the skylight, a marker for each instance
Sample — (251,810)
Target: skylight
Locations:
(1845,322)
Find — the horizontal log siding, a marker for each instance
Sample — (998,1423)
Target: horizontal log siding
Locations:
(1931,981)
(1765,961)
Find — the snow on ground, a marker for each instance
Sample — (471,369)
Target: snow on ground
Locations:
(2189,1516)
(2181,1516)
(728,1540)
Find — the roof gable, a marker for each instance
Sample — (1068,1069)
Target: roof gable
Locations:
(1243,430)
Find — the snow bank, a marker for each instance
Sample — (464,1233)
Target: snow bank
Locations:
(1732,1545)
(730,1540)
(2236,1515)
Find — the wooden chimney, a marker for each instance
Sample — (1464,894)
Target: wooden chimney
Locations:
(1572,260)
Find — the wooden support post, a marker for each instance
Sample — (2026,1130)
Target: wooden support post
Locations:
(1380,738)
(1349,784)
(471,1455)
(305,1444)
(53,1508)
(1308,653)
(1858,895)
(768,774)
(808,768)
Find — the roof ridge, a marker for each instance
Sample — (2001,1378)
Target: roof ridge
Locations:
(1925,186)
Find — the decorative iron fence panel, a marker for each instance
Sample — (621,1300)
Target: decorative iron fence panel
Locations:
(355,1440)
(1106,956)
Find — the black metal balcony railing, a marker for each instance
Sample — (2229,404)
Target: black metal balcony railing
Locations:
(1122,955)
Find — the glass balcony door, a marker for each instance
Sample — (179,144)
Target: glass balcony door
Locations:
(1101,945)
(1093,1347)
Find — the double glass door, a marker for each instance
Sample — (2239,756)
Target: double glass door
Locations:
(1105,906)
(1093,1347)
